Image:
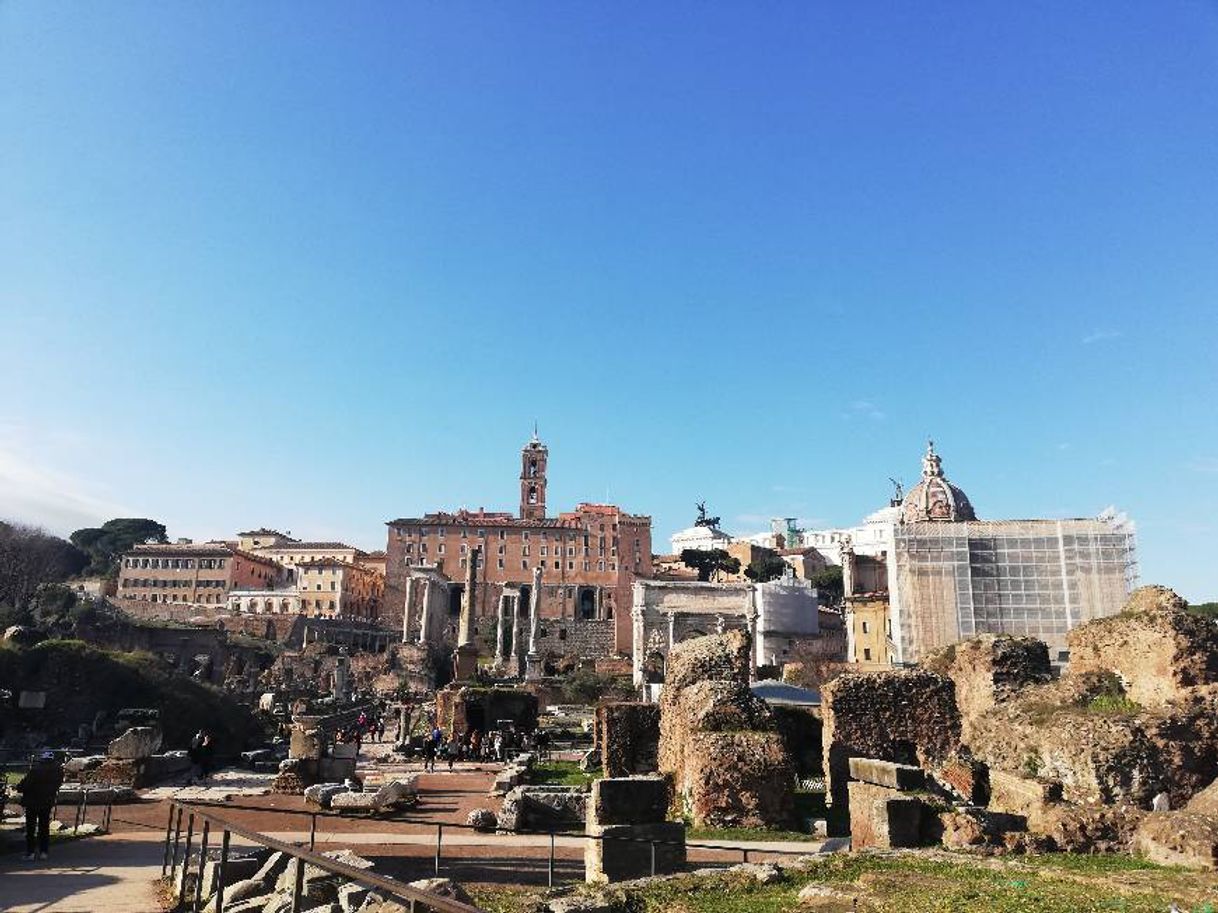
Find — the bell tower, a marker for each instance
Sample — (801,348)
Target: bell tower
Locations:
(533,479)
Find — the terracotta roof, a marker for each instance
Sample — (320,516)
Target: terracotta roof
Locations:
(202,549)
(495,520)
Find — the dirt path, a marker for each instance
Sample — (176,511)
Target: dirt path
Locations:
(112,874)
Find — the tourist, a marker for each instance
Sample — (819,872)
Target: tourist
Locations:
(429,755)
(201,753)
(39,788)
(380,729)
(454,749)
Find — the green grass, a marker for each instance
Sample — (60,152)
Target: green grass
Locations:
(923,882)
(561,773)
(743,834)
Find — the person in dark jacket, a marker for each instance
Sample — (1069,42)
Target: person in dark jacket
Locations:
(38,789)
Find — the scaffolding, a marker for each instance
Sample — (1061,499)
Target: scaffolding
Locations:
(1036,578)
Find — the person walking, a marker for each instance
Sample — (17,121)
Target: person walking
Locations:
(38,789)
(429,756)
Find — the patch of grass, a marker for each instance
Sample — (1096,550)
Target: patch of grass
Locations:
(1114,704)
(743,834)
(561,773)
(920,882)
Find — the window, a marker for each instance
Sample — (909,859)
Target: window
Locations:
(557,565)
(570,565)
(866,653)
(866,628)
(440,548)
(500,564)
(525,535)
(502,534)
(524,549)
(524,565)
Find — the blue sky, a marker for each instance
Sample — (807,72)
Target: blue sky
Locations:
(317,266)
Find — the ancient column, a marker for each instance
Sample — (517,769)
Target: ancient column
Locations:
(406,607)
(469,600)
(465,657)
(751,616)
(505,606)
(533,660)
(519,647)
(425,611)
(342,669)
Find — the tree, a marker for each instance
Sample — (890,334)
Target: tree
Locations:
(766,568)
(107,543)
(828,583)
(710,562)
(30,557)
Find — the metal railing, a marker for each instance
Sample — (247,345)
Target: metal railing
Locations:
(654,845)
(176,866)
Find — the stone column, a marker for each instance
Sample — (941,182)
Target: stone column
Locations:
(519,647)
(406,609)
(425,611)
(465,657)
(533,660)
(505,608)
(755,646)
(342,682)
(469,601)
(672,630)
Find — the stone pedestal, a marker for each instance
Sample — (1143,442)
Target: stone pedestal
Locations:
(465,662)
(533,667)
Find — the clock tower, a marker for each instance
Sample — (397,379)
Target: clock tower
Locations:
(533,479)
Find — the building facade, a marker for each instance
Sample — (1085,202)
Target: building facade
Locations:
(590,556)
(942,575)
(189,574)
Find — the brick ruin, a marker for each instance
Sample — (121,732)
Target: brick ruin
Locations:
(719,742)
(628,736)
(1074,763)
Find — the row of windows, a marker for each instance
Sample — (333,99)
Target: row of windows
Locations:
(212,598)
(524,550)
(173,563)
(172,583)
(464,533)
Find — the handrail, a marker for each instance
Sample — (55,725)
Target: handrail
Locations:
(322,813)
(388,885)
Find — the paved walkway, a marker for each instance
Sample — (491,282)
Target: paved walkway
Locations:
(112,874)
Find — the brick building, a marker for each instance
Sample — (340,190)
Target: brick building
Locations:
(190,575)
(590,556)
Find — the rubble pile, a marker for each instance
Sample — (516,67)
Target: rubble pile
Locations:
(729,765)
(1118,754)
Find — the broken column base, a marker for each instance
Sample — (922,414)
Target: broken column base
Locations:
(465,662)
(533,667)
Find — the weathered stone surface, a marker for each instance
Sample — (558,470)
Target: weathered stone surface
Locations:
(626,851)
(445,887)
(961,831)
(320,794)
(507,780)
(1026,796)
(760,872)
(820,898)
(963,777)
(136,743)
(482,819)
(356,802)
(887,773)
(629,736)
(1090,829)
(237,892)
(629,800)
(1179,838)
(908,716)
(883,818)
(237,868)
(78,765)
(1156,647)
(1205,802)
(272,868)
(306,744)
(989,670)
(729,765)
(543,808)
(738,779)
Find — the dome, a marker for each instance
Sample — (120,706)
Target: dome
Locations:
(935,498)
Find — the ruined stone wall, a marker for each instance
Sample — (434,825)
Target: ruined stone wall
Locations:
(908,716)
(629,738)
(729,764)
(1157,648)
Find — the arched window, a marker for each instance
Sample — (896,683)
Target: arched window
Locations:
(532,494)
(532,469)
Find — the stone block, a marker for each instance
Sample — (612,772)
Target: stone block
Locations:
(336,770)
(272,868)
(237,868)
(444,887)
(1016,795)
(543,808)
(506,780)
(887,773)
(1178,838)
(629,737)
(354,802)
(136,743)
(883,818)
(737,779)
(629,800)
(77,765)
(320,794)
(964,778)
(398,792)
(626,851)
(238,891)
(306,744)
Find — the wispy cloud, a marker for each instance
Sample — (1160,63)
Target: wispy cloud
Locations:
(32,491)
(1101,336)
(864,409)
(1203,464)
